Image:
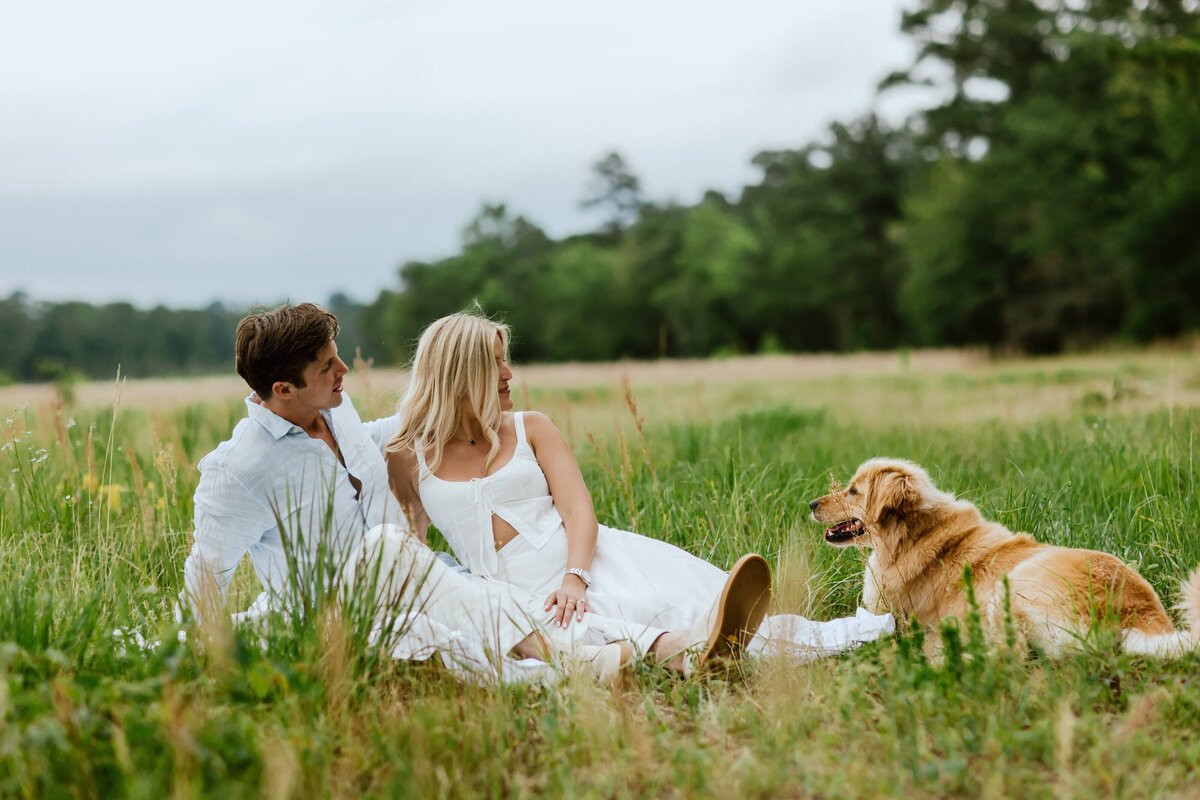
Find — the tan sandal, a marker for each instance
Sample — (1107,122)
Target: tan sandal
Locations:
(739,612)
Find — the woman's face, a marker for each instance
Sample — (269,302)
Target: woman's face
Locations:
(506,403)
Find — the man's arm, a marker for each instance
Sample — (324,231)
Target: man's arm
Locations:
(229,521)
(383,429)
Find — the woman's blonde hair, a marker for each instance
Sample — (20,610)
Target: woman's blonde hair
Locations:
(455,363)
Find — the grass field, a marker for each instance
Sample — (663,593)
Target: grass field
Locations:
(719,457)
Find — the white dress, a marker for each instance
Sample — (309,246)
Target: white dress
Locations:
(641,587)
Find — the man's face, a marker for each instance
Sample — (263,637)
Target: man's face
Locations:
(323,380)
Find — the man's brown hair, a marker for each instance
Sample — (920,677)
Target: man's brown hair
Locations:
(278,345)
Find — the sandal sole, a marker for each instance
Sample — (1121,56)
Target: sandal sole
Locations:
(740,610)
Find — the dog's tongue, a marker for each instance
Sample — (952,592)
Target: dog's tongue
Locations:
(842,527)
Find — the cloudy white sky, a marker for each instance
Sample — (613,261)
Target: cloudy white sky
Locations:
(250,152)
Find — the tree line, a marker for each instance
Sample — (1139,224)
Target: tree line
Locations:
(1051,200)
(1048,200)
(65,341)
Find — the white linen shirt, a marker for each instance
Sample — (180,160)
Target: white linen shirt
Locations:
(269,480)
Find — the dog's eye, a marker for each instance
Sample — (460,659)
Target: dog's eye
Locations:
(853,490)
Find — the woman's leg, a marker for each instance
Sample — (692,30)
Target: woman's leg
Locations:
(670,650)
(405,574)
(729,625)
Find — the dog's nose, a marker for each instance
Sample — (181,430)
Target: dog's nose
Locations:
(813,505)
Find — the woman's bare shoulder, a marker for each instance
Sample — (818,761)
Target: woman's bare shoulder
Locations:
(536,420)
(540,428)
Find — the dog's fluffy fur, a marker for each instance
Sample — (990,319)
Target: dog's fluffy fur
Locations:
(921,539)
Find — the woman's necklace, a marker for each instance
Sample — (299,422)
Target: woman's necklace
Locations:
(471,440)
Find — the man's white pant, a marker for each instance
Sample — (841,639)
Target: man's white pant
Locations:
(406,576)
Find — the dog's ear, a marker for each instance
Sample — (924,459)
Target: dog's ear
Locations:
(895,491)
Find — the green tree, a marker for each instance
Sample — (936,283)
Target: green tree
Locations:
(702,301)
(1158,240)
(615,189)
(18,327)
(583,298)
(945,297)
(829,272)
(502,260)
(648,257)
(1038,244)
(989,53)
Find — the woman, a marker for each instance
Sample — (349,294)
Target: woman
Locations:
(507,493)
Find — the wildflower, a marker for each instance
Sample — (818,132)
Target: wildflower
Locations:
(112,492)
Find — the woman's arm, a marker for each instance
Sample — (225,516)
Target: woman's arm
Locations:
(574,505)
(403,478)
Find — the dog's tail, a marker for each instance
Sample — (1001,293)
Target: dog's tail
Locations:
(1176,643)
(1189,601)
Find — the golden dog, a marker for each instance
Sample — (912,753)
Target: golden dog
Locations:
(921,539)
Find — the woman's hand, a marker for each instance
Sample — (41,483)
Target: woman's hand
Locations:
(568,600)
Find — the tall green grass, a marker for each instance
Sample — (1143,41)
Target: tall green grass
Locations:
(95,524)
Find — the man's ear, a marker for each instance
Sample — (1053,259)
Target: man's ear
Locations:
(895,491)
(282,389)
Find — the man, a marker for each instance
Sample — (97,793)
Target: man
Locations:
(301,486)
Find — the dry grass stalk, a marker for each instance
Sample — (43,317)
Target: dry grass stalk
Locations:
(213,625)
(627,479)
(335,665)
(609,472)
(280,767)
(164,464)
(64,709)
(180,719)
(1065,722)
(797,586)
(1142,714)
(639,421)
(120,743)
(139,490)
(60,428)
(107,469)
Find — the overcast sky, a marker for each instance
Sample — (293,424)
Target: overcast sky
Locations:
(254,151)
